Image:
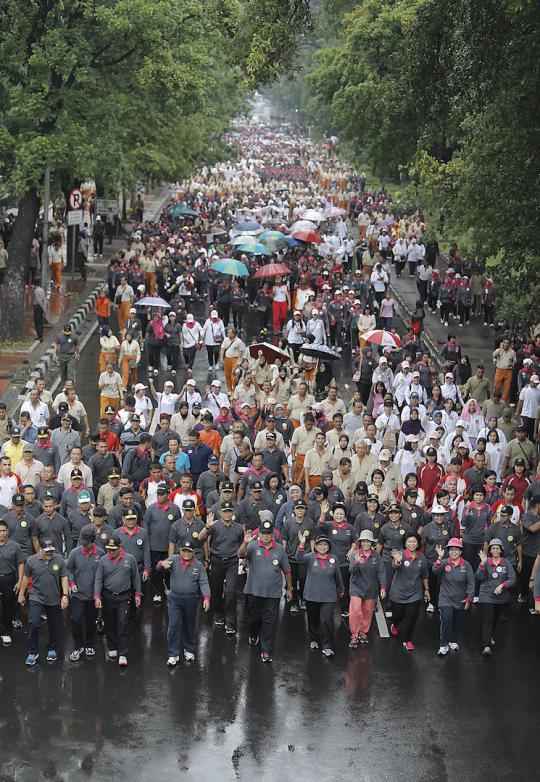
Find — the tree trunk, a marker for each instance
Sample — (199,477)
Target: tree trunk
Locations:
(20,245)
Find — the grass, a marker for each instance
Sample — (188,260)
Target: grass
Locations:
(16,344)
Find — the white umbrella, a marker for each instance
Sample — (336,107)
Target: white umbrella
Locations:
(303,225)
(313,215)
(152,301)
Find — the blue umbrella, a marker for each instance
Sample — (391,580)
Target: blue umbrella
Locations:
(180,210)
(231,266)
(247,225)
(253,248)
(290,241)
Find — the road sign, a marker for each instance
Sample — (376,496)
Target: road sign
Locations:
(75,217)
(75,199)
(106,206)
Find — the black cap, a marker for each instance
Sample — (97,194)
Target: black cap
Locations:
(99,510)
(76,473)
(49,496)
(395,508)
(186,545)
(130,513)
(48,545)
(432,452)
(271,436)
(188,504)
(507,510)
(227,506)
(162,488)
(88,536)
(410,492)
(519,463)
(135,417)
(300,504)
(521,428)
(361,487)
(112,543)
(323,539)
(114,473)
(42,431)
(227,486)
(63,407)
(372,497)
(17,499)
(266,526)
(256,486)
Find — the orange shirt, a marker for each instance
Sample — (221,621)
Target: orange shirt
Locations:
(103,306)
(211,438)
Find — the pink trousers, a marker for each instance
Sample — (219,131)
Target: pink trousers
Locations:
(360,615)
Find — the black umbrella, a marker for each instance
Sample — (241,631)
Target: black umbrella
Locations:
(320,351)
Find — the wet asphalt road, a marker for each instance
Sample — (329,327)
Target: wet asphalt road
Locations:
(376,713)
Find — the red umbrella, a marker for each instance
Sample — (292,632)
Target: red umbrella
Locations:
(307,236)
(270,352)
(271,270)
(382,338)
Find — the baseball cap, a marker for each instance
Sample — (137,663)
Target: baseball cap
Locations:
(162,488)
(168,383)
(186,545)
(190,382)
(188,504)
(213,460)
(300,504)
(266,526)
(15,432)
(84,496)
(227,486)
(431,452)
(140,387)
(63,407)
(535,379)
(28,448)
(48,545)
(130,513)
(88,536)
(411,438)
(112,544)
(135,417)
(507,510)
(17,499)
(43,432)
(271,436)
(110,409)
(100,511)
(383,360)
(385,455)
(519,463)
(227,506)
(256,486)
(76,473)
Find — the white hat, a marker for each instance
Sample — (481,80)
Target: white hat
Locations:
(435,435)
(141,288)
(314,312)
(438,509)
(132,310)
(213,314)
(190,317)
(168,383)
(463,424)
(297,312)
(405,364)
(383,360)
(411,438)
(416,374)
(190,382)
(326,287)
(140,387)
(527,361)
(215,383)
(449,374)
(535,379)
(385,455)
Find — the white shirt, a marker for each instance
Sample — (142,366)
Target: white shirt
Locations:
(379,280)
(214,402)
(192,336)
(8,487)
(529,396)
(316,327)
(39,415)
(166,402)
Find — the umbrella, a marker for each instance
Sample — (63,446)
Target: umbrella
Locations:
(217,231)
(275,236)
(305,225)
(388,221)
(313,215)
(270,352)
(152,301)
(255,248)
(231,266)
(382,338)
(271,270)
(320,351)
(248,226)
(334,211)
(307,235)
(290,241)
(183,211)
(244,240)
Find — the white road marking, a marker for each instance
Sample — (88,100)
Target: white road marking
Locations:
(381,621)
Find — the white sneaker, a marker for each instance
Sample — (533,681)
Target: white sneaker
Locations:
(189,656)
(453,646)
(122,660)
(430,608)
(314,645)
(443,650)
(476,599)
(113,654)
(328,652)
(6,640)
(157,599)
(388,614)
(172,661)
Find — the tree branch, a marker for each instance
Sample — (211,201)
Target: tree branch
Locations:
(116,61)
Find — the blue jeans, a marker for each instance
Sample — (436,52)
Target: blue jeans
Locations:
(54,625)
(182,629)
(451,619)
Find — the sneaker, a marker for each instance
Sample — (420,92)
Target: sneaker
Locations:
(113,654)
(461,325)
(230,630)
(313,645)
(393,630)
(89,651)
(328,652)
(219,622)
(157,600)
(453,646)
(76,655)
(388,614)
(443,650)
(430,608)
(476,600)
(173,373)
(533,612)
(492,642)
(172,661)
(122,660)
(486,651)
(446,323)
(485,323)
(156,373)
(188,656)
(344,614)
(32,659)
(409,646)
(364,639)
(52,657)
(253,640)
(6,640)
(520,599)
(294,608)
(266,657)
(353,644)
(302,605)
(17,623)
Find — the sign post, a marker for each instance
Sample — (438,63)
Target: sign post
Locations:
(75,218)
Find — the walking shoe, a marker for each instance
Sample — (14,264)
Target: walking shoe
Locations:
(430,608)
(75,655)
(122,661)
(253,640)
(294,608)
(453,646)
(89,651)
(32,659)
(188,656)
(328,652)
(393,630)
(353,644)
(157,600)
(219,622)
(533,612)
(443,650)
(302,604)
(113,654)
(172,661)
(266,657)
(6,640)
(476,599)
(486,651)
(409,646)
(314,645)
(492,642)
(364,639)
(173,373)
(100,627)
(520,599)
(17,624)
(388,614)
(230,630)
(52,657)
(344,614)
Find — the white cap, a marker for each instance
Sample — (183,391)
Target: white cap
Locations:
(141,288)
(449,374)
(215,383)
(438,509)
(464,424)
(314,312)
(190,382)
(416,374)
(527,361)
(535,379)
(326,287)
(435,435)
(140,387)
(383,360)
(385,455)
(405,364)
(133,310)
(168,383)
(213,314)
(297,312)
(411,438)
(190,317)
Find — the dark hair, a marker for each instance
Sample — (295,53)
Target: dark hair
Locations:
(412,535)
(194,433)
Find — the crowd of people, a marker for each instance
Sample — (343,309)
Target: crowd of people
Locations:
(412,481)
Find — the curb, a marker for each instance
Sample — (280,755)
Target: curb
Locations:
(427,339)
(46,361)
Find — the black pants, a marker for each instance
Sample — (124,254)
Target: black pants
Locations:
(115,619)
(224,579)
(298,576)
(528,423)
(489,313)
(422,286)
(490,613)
(321,623)
(189,356)
(173,354)
(525,575)
(154,352)
(238,319)
(54,625)
(98,246)
(404,616)
(83,622)
(346,576)
(446,309)
(464,312)
(434,583)
(213,354)
(8,602)
(224,311)
(38,321)
(159,578)
(470,555)
(451,621)
(263,615)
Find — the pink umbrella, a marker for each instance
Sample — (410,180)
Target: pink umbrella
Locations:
(382,338)
(334,211)
(307,235)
